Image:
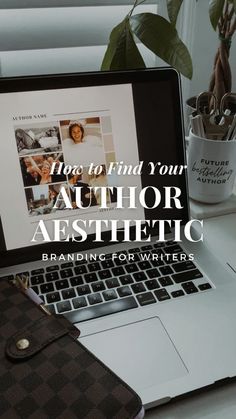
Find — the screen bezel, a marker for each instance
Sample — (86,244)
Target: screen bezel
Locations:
(63,81)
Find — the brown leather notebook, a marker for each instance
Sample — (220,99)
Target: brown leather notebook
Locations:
(46,373)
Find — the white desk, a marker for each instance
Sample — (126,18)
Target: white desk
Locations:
(220,402)
(215,403)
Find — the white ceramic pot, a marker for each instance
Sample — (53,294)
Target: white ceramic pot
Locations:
(211,169)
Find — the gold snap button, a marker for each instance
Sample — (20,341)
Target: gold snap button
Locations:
(22,344)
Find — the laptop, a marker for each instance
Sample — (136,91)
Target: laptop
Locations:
(94,211)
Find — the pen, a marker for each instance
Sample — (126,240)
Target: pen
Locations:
(231,131)
(197,126)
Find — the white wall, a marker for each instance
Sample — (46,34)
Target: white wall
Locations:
(205,42)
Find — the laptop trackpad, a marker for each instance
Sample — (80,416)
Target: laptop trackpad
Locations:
(141,353)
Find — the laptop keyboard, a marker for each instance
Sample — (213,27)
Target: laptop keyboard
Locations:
(84,290)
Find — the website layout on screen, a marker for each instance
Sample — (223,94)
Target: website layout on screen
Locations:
(55,141)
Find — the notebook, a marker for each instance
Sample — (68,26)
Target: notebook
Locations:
(38,354)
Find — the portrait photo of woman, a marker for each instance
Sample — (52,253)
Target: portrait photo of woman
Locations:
(82,141)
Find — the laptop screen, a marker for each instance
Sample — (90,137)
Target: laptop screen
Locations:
(108,136)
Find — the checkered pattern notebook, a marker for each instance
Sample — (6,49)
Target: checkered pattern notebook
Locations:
(46,373)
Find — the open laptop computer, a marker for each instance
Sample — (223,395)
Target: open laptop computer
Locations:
(164,322)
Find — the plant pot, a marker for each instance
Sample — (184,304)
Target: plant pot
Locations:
(211,169)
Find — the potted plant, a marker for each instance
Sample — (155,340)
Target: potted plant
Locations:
(206,184)
(155,32)
(161,37)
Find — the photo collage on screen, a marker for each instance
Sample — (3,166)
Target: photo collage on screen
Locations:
(79,142)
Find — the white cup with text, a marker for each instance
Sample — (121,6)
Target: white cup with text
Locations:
(211,169)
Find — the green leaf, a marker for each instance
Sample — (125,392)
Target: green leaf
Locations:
(215,11)
(173,7)
(122,52)
(157,34)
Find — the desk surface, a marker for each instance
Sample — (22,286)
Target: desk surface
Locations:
(220,402)
(215,403)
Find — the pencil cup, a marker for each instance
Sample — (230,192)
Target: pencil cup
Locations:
(211,169)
